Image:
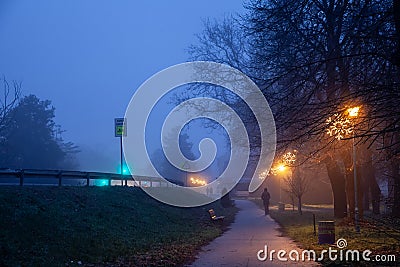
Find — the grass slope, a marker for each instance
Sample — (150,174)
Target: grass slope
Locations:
(104,226)
(380,239)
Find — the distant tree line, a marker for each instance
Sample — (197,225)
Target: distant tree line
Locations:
(29,136)
(313,59)
(165,168)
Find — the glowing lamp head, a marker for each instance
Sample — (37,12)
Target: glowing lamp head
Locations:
(353,112)
(281,167)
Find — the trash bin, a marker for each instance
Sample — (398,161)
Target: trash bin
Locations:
(326,232)
(281,206)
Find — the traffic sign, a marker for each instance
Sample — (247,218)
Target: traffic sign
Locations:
(120,127)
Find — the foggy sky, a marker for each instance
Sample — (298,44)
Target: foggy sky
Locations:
(88,57)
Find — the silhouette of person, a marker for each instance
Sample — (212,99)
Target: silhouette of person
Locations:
(265,196)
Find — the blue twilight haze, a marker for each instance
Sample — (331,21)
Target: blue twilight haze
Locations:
(88,57)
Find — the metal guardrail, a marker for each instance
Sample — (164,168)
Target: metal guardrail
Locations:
(62,175)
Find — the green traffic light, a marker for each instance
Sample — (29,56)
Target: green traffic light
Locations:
(125,169)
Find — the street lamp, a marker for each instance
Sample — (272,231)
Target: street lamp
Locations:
(274,171)
(280,168)
(340,127)
(353,113)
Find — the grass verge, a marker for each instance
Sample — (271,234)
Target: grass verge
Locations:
(100,226)
(380,238)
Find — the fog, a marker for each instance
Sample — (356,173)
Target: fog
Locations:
(89,57)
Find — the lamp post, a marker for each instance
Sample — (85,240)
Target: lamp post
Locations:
(353,113)
(280,168)
(340,127)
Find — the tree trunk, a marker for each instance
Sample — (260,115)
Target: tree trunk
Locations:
(332,55)
(371,187)
(338,188)
(396,187)
(299,205)
(349,176)
(366,173)
(350,191)
(367,192)
(292,201)
(360,194)
(349,173)
(375,196)
(395,162)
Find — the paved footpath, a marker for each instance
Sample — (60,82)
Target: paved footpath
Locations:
(248,234)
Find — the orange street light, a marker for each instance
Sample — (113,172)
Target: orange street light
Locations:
(196,181)
(340,127)
(353,112)
(281,168)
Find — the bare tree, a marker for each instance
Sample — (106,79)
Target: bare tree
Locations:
(10,96)
(292,197)
(313,59)
(297,185)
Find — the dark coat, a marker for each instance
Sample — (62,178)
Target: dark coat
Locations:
(265,197)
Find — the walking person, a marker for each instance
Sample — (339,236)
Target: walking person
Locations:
(265,196)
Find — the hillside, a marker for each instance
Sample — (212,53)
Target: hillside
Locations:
(69,226)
